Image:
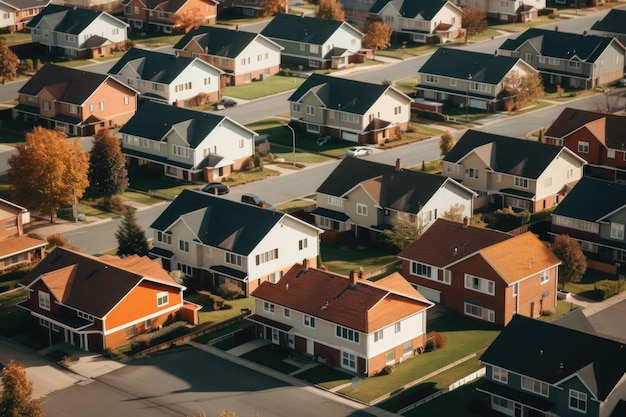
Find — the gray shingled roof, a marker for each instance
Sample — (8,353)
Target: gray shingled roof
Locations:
(219,41)
(592,199)
(520,157)
(304,29)
(613,22)
(69,19)
(25,4)
(218,222)
(425,9)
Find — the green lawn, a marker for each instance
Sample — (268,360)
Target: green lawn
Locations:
(271,85)
(271,356)
(455,403)
(592,279)
(16,38)
(12,318)
(301,157)
(342,260)
(324,376)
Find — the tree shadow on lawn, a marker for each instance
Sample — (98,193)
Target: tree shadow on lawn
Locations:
(408,396)
(452,322)
(271,356)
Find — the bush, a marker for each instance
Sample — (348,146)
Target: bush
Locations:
(285,72)
(606,289)
(57,239)
(548,312)
(507,219)
(114,204)
(34,235)
(229,291)
(248,165)
(387,370)
(431,115)
(435,340)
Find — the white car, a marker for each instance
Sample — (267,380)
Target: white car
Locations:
(360,151)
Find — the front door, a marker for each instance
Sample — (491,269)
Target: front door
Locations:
(310,347)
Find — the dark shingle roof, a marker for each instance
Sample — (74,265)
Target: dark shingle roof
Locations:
(230,225)
(152,65)
(218,41)
(546,354)
(69,19)
(340,93)
(520,157)
(607,196)
(305,29)
(457,63)
(426,9)
(557,44)
(572,119)
(25,4)
(613,22)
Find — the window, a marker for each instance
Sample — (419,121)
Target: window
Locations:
(286,312)
(187,270)
(309,321)
(46,105)
(269,307)
(348,360)
(610,153)
(233,259)
(274,277)
(91,108)
(390,357)
(361,209)
(10,224)
(577,401)
(183,245)
(421,269)
(583,147)
(148,324)
(528,57)
(310,110)
(241,143)
(617,231)
(471,173)
(545,276)
(521,182)
(297,107)
(407,348)
(378,335)
(101,105)
(164,238)
(554,61)
(314,49)
(432,79)
(575,224)
(162,299)
(131,332)
(44,300)
(348,334)
(499,374)
(515,289)
(573,64)
(126,100)
(530,384)
(270,255)
(479,284)
(302,244)
(180,151)
(84,315)
(302,47)
(335,201)
(479,312)
(397,328)
(452,82)
(73,109)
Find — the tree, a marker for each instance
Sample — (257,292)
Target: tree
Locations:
(131,239)
(523,89)
(446,142)
(48,172)
(273,7)
(8,62)
(107,169)
(574,263)
(17,391)
(330,9)
(403,233)
(607,102)
(377,36)
(454,213)
(189,19)
(474,21)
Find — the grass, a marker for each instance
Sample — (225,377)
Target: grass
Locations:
(342,260)
(301,157)
(152,39)
(592,279)
(17,38)
(454,403)
(12,319)
(209,316)
(229,342)
(271,85)
(294,205)
(324,376)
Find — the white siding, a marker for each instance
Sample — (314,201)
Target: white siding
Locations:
(255,50)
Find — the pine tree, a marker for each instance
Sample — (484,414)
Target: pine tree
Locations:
(17,390)
(131,238)
(107,165)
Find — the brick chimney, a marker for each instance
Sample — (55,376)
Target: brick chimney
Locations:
(305,264)
(466,222)
(398,164)
(361,273)
(353,278)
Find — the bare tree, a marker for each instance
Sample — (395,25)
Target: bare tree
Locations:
(607,102)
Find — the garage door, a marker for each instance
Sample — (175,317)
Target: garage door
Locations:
(430,294)
(352,137)
(478,104)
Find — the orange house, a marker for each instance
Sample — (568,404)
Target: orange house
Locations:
(164,15)
(98,303)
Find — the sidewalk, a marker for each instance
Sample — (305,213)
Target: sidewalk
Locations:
(591,307)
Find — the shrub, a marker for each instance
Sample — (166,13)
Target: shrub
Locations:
(285,72)
(248,165)
(226,306)
(57,239)
(507,219)
(114,204)
(258,161)
(387,370)
(229,291)
(548,312)
(606,289)
(34,235)
(435,340)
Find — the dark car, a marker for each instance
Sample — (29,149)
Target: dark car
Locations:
(226,102)
(255,200)
(216,188)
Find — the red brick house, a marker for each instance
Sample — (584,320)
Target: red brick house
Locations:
(162,15)
(15,247)
(98,303)
(482,273)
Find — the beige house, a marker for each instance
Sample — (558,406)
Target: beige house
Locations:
(508,11)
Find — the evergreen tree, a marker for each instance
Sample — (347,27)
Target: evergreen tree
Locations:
(131,238)
(17,390)
(107,165)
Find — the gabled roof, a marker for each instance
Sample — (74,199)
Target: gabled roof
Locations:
(19,244)
(563,45)
(25,4)
(424,9)
(338,93)
(546,354)
(571,120)
(170,6)
(91,284)
(613,22)
(68,85)
(221,41)
(366,307)
(311,30)
(217,222)
(607,197)
(505,154)
(68,19)
(459,64)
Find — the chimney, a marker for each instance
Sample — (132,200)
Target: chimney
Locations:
(264,205)
(398,164)
(237,28)
(466,222)
(495,53)
(305,264)
(556,28)
(353,278)
(361,273)
(584,33)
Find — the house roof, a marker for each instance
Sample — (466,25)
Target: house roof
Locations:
(19,244)
(366,307)
(546,354)
(171,6)
(68,85)
(607,197)
(25,4)
(221,223)
(611,132)
(613,22)
(67,19)
(305,29)
(425,9)
(557,44)
(459,64)
(221,41)
(91,284)
(505,154)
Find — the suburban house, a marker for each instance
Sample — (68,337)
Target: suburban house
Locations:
(426,21)
(468,79)
(594,136)
(568,59)
(531,370)
(75,101)
(246,8)
(97,303)
(482,273)
(242,56)
(167,16)
(186,144)
(315,43)
(594,213)
(168,79)
(510,172)
(110,6)
(355,111)
(16,247)
(74,32)
(362,199)
(357,325)
(513,11)
(612,25)
(217,241)
(15,14)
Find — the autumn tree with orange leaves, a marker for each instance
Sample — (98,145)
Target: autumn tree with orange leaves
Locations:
(17,391)
(274,7)
(48,172)
(331,10)
(189,19)
(377,36)
(8,62)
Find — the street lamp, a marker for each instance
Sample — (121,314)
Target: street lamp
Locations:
(293,141)
(469,80)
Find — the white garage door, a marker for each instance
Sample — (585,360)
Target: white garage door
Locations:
(430,294)
(352,137)
(478,104)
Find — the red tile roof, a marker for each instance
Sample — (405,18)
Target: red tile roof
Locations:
(19,244)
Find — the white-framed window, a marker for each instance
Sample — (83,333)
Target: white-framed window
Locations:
(397,327)
(589,247)
(296,107)
(378,335)
(147,324)
(528,57)
(479,312)
(447,276)
(268,256)
(390,357)
(309,321)
(310,110)
(545,276)
(521,182)
(348,334)
(162,298)
(515,289)
(131,332)
(577,401)
(314,49)
(361,209)
(576,224)
(183,245)
(421,269)
(610,153)
(46,105)
(303,244)
(101,105)
(583,147)
(617,231)
(534,385)
(164,237)
(180,151)
(91,108)
(84,315)
(44,300)
(452,82)
(483,285)
(348,360)
(472,172)
(335,201)
(554,62)
(432,79)
(234,259)
(573,64)
(268,307)
(286,313)
(187,270)
(500,374)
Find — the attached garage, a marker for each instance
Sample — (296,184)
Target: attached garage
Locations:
(349,136)
(478,104)
(429,293)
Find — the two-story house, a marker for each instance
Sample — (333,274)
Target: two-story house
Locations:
(314,43)
(594,214)
(355,111)
(75,32)
(97,303)
(537,368)
(357,325)
(612,25)
(166,78)
(168,16)
(247,8)
(468,79)
(482,273)
(568,59)
(509,11)
(76,101)
(15,246)
(242,56)
(594,136)
(186,144)
(363,199)
(218,241)
(510,172)
(15,14)
(426,21)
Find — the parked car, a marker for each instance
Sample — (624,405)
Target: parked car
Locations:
(225,102)
(255,200)
(359,151)
(322,140)
(216,188)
